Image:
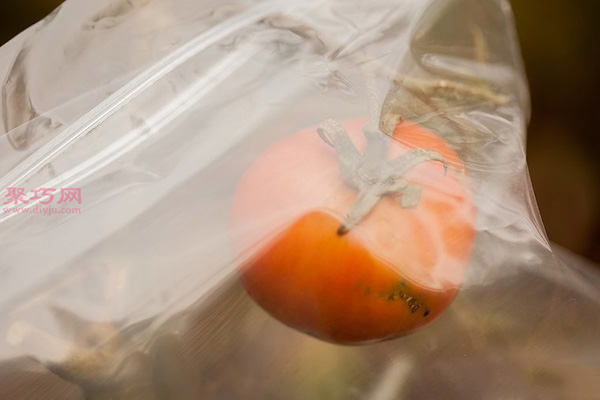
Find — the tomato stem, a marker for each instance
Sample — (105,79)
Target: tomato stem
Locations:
(372,174)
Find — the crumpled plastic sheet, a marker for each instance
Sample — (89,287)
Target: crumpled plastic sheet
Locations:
(151,110)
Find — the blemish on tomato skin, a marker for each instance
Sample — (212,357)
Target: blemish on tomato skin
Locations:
(413,305)
(398,293)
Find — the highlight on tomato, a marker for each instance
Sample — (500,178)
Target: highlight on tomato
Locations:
(351,235)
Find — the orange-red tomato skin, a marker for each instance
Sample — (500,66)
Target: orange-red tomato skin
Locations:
(394,272)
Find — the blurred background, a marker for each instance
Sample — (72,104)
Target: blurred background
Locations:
(561,48)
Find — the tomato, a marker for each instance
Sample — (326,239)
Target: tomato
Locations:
(396,269)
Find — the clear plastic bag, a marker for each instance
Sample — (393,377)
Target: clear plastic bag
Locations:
(140,118)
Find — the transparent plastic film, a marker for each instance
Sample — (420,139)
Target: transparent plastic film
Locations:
(279,199)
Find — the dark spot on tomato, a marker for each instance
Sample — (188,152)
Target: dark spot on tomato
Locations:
(401,292)
(413,306)
(396,295)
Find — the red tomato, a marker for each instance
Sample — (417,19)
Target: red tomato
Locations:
(395,271)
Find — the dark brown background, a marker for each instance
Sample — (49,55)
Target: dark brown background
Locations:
(560,40)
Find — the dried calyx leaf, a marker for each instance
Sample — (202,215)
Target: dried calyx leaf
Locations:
(371,174)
